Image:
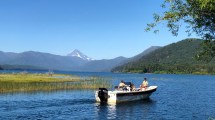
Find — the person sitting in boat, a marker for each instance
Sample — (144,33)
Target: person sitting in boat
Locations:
(122,85)
(133,87)
(144,84)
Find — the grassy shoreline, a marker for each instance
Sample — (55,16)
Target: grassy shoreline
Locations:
(45,82)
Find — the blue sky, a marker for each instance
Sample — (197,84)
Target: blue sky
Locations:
(101,29)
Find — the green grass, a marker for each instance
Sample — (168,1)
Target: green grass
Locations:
(45,82)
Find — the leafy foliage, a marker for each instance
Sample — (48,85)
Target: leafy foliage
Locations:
(174,58)
(199,17)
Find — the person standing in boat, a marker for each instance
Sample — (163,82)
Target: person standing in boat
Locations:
(144,84)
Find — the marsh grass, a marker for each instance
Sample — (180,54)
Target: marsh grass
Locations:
(94,82)
(45,82)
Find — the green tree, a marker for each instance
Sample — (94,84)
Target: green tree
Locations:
(198,16)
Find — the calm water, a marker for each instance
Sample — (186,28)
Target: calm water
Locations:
(177,97)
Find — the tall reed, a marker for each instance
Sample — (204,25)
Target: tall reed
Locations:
(44,82)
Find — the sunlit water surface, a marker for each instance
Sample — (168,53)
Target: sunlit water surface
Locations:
(177,97)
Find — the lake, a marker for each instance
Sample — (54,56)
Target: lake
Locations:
(177,97)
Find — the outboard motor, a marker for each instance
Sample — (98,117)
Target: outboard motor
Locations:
(103,94)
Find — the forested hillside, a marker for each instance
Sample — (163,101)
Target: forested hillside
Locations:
(174,58)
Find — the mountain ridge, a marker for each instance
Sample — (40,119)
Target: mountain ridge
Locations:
(75,61)
(79,54)
(71,62)
(34,59)
(173,58)
(40,59)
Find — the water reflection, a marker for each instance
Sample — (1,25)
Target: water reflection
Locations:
(129,110)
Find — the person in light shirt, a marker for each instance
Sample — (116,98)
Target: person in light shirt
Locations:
(144,84)
(122,85)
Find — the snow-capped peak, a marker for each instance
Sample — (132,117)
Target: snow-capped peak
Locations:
(77,53)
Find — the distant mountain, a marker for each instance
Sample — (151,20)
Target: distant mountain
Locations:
(41,60)
(174,58)
(102,65)
(145,52)
(77,53)
(106,65)
(20,67)
(5,56)
(75,61)
(1,68)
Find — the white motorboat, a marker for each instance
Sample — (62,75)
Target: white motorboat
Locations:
(119,95)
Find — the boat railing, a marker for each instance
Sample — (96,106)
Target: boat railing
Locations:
(129,89)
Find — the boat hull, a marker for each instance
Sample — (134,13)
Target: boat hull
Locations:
(124,96)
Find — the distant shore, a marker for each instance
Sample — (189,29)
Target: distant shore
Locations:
(26,82)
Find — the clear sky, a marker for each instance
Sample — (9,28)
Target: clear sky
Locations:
(101,29)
